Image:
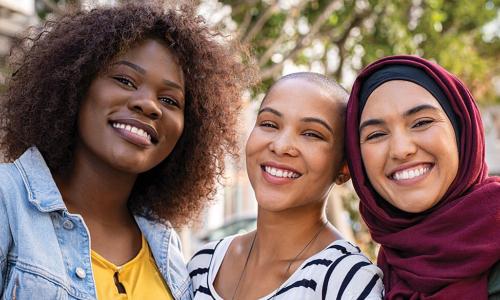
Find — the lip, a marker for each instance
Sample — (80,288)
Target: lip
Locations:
(280,166)
(278,180)
(408,182)
(144,126)
(408,166)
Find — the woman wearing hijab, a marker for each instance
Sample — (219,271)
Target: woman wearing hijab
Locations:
(415,147)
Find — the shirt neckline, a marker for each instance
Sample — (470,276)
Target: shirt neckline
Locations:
(223,246)
(143,251)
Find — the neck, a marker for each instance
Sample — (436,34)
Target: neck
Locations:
(94,190)
(281,235)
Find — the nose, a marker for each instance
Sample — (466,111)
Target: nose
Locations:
(145,102)
(402,146)
(284,144)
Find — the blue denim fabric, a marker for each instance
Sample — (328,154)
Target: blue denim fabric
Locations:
(45,250)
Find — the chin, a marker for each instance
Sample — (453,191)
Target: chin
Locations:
(420,207)
(272,205)
(132,166)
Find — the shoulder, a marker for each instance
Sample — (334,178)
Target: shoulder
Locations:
(9,178)
(12,188)
(201,263)
(350,274)
(201,259)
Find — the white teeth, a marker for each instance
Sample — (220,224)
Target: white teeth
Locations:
(133,130)
(281,173)
(410,174)
(273,172)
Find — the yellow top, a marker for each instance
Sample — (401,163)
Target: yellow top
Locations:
(137,279)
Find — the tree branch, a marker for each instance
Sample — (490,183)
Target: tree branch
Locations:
(243,7)
(303,41)
(243,27)
(277,42)
(261,21)
(355,22)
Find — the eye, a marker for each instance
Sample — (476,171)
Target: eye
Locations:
(422,123)
(313,134)
(125,81)
(374,135)
(268,124)
(169,101)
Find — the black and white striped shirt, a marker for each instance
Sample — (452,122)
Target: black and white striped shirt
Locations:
(339,271)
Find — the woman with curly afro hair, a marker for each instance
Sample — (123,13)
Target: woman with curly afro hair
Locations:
(114,125)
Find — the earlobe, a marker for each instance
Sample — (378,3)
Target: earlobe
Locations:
(343,175)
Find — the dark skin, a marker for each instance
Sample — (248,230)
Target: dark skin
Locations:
(113,230)
(143,88)
(303,134)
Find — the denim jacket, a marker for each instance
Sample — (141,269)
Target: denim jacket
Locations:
(45,250)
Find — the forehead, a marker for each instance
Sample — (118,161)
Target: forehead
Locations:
(154,55)
(298,97)
(397,97)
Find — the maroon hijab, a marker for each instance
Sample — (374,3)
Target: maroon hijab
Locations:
(447,251)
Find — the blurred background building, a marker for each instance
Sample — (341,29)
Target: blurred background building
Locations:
(333,37)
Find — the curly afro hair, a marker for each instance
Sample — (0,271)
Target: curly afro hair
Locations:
(55,65)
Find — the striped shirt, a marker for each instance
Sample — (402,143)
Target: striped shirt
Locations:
(340,271)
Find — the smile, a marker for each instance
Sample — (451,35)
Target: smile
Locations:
(276,172)
(411,173)
(133,130)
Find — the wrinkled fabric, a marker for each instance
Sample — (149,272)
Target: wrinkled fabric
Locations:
(447,251)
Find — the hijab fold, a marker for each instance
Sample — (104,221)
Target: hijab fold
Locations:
(447,251)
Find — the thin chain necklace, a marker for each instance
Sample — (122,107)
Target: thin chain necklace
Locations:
(289,264)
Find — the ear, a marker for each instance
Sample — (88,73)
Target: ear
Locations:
(343,175)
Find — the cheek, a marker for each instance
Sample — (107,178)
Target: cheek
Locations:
(87,121)
(446,151)
(173,126)
(326,161)
(179,126)
(253,143)
(373,160)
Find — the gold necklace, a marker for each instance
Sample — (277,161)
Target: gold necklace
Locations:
(289,264)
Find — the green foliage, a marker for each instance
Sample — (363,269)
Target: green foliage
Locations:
(361,31)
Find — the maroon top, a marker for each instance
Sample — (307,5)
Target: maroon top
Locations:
(447,251)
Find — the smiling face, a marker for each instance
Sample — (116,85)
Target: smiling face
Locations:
(133,113)
(295,151)
(408,146)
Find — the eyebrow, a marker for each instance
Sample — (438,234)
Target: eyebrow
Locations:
(143,72)
(370,122)
(306,119)
(131,65)
(270,110)
(419,108)
(407,113)
(319,121)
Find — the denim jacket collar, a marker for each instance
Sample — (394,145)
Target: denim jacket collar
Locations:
(168,260)
(42,190)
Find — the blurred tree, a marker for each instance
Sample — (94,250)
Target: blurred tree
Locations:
(57,7)
(339,37)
